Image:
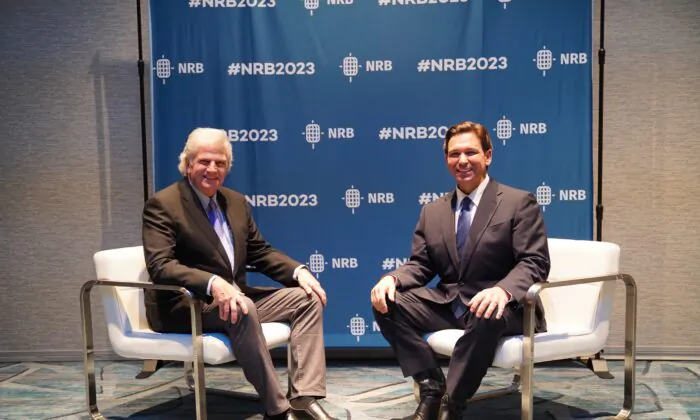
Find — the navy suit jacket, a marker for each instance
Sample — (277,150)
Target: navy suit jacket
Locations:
(506,247)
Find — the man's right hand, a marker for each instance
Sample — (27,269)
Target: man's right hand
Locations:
(384,288)
(227,297)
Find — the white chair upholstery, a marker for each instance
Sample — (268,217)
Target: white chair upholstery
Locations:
(125,313)
(121,274)
(578,315)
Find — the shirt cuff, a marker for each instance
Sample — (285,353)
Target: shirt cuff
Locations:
(211,280)
(296,271)
(397,283)
(510,295)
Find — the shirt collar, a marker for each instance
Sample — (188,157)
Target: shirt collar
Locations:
(203,199)
(475,195)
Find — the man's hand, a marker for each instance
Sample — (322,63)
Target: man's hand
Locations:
(488,300)
(227,297)
(308,282)
(384,288)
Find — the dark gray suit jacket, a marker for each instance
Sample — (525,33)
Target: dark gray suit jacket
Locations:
(182,248)
(506,247)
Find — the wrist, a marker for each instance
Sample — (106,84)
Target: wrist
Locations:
(298,270)
(216,285)
(393,279)
(505,292)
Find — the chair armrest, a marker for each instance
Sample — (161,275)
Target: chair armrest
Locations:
(86,307)
(86,310)
(88,341)
(90,284)
(533,292)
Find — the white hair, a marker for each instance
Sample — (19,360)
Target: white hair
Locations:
(196,138)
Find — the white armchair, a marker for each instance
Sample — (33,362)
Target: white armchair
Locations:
(124,273)
(578,303)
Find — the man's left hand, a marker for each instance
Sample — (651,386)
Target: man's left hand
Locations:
(310,285)
(487,301)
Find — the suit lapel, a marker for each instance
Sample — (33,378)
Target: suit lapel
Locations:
(194,208)
(447,221)
(484,212)
(237,227)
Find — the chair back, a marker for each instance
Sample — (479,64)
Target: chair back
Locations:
(124,307)
(586,307)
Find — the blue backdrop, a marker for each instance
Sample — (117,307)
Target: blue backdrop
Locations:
(336,111)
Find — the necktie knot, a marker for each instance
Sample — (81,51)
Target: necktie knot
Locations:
(211,212)
(466,204)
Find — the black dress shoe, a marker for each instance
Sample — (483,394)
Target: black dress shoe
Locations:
(428,409)
(287,415)
(431,386)
(314,411)
(450,409)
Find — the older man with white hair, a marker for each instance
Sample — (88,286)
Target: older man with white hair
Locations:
(201,235)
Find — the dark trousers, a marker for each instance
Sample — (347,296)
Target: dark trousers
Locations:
(410,317)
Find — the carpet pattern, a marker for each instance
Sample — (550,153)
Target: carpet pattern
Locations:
(358,390)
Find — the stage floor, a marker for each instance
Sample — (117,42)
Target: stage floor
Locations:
(357,390)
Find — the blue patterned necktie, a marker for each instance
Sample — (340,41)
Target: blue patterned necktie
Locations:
(463,225)
(211,212)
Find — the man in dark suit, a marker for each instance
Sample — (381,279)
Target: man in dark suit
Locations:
(488,244)
(200,235)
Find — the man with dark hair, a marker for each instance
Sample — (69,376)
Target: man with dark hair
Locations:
(488,244)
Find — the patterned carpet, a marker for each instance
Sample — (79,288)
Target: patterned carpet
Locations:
(361,390)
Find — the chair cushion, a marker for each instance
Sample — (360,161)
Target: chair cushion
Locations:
(146,344)
(556,344)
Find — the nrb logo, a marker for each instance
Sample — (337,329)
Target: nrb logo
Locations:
(164,68)
(544,59)
(358,326)
(317,263)
(313,133)
(545,196)
(505,3)
(505,128)
(353,198)
(351,66)
(312,5)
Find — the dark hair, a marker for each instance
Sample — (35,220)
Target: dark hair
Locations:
(469,127)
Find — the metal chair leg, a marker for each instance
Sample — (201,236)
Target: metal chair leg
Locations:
(89,352)
(630,346)
(198,361)
(630,342)
(599,366)
(513,387)
(149,368)
(89,347)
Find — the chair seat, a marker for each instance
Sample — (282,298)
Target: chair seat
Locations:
(558,343)
(146,344)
